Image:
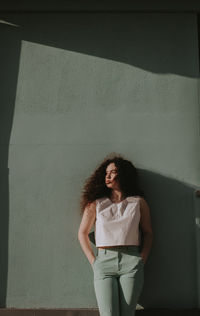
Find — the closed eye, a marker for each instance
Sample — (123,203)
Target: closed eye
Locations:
(113,171)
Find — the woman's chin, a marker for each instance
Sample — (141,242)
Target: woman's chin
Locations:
(109,185)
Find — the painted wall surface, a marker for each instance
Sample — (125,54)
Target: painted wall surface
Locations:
(75,88)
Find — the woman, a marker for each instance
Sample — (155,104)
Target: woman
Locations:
(113,202)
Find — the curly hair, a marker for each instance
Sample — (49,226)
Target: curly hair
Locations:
(95,187)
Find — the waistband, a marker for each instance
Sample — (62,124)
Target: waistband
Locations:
(120,248)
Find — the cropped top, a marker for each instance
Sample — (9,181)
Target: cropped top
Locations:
(117,223)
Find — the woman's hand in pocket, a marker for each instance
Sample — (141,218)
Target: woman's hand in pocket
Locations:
(144,258)
(93,261)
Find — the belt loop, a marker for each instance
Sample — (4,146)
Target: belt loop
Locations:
(105,251)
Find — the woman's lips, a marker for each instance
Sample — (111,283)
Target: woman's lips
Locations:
(108,182)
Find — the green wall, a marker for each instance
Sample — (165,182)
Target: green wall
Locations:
(76,87)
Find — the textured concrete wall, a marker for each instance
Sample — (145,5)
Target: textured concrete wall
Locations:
(75,88)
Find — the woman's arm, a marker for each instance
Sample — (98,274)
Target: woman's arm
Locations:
(88,219)
(145,224)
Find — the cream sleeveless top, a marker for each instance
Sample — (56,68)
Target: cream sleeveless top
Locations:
(117,223)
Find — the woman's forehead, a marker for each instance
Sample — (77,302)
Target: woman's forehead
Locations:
(111,166)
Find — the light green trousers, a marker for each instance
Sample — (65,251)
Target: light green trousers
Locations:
(118,280)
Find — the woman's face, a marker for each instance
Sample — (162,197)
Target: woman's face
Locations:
(111,175)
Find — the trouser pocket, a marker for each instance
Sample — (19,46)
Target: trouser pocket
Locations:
(94,261)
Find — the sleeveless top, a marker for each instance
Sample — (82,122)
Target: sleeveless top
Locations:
(117,223)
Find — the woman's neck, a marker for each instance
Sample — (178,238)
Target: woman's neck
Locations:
(116,196)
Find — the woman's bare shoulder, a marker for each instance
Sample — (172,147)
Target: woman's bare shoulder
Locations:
(91,204)
(143,204)
(90,207)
